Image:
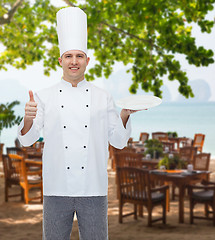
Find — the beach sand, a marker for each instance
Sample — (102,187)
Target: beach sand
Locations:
(19,221)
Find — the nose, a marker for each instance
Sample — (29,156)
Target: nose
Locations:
(74,60)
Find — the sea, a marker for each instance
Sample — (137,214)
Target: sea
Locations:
(184,118)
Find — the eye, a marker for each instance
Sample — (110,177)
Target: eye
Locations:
(80,56)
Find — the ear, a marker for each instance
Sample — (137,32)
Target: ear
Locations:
(60,61)
(88,59)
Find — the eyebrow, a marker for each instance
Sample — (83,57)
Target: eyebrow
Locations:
(77,54)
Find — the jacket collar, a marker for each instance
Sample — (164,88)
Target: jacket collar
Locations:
(80,84)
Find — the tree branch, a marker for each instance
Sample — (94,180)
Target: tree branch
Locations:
(72,4)
(69,3)
(131,35)
(10,14)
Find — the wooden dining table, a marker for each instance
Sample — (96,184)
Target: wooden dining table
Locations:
(180,178)
(150,163)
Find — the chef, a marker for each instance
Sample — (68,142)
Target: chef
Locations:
(79,121)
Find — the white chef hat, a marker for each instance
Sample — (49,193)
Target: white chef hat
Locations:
(72,29)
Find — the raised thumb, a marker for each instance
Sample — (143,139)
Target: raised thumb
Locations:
(31,95)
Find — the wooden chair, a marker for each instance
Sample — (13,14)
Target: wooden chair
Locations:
(16,150)
(129,159)
(27,179)
(22,152)
(135,188)
(144,136)
(199,141)
(201,161)
(160,136)
(31,149)
(11,178)
(113,151)
(204,194)
(187,153)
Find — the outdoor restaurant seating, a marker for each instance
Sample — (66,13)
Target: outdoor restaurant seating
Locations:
(135,188)
(204,194)
(24,153)
(187,153)
(198,141)
(27,179)
(137,181)
(15,150)
(11,178)
(113,151)
(201,161)
(128,159)
(23,167)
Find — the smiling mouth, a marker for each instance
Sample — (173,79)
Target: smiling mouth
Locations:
(73,68)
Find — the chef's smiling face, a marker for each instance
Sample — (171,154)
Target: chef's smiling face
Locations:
(74,63)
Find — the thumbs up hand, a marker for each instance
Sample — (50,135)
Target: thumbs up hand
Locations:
(30,113)
(30,109)
(31,95)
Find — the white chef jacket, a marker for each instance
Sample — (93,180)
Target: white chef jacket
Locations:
(78,124)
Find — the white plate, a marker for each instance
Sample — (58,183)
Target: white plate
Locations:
(139,102)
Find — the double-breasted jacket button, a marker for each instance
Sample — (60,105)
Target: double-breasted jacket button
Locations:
(64,126)
(85,126)
(68,167)
(86,90)
(66,147)
(82,167)
(60,90)
(85,146)
(62,106)
(87,105)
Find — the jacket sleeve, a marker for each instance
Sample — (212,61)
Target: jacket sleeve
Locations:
(34,133)
(118,135)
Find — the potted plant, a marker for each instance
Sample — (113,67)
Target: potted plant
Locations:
(172,134)
(154,148)
(172,162)
(7,118)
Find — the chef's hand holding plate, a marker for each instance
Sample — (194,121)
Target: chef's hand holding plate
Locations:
(125,113)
